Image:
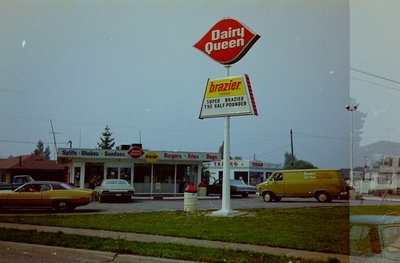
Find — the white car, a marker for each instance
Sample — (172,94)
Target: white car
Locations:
(114,189)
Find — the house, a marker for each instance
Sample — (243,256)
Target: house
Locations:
(381,176)
(36,166)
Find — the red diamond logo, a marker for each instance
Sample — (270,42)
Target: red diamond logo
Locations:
(135,152)
(227,41)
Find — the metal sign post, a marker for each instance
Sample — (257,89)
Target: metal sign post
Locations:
(227,42)
(226,186)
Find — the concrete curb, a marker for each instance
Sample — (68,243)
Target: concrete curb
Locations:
(62,254)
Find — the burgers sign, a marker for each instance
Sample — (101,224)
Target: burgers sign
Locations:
(227,41)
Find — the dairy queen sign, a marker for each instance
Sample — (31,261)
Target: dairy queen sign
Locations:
(227,41)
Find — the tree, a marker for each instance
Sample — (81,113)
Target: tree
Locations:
(106,142)
(41,151)
(293,163)
(289,159)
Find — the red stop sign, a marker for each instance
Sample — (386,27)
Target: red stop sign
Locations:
(227,41)
(135,152)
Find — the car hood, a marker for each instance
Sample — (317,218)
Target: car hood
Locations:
(5,191)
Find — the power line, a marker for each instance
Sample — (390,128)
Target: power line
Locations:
(275,150)
(376,76)
(320,136)
(376,84)
(27,142)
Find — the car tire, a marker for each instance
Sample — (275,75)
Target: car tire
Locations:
(101,199)
(62,206)
(267,196)
(245,195)
(322,197)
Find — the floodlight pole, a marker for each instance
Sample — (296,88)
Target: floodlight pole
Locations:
(351,109)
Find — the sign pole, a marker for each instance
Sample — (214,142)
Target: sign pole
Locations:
(226,189)
(223,95)
(226,186)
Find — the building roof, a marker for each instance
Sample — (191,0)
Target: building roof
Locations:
(30,162)
(382,148)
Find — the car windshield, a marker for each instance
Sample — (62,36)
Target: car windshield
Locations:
(391,241)
(364,240)
(232,182)
(115,182)
(237,182)
(67,186)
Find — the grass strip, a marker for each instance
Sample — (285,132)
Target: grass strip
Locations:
(322,229)
(161,250)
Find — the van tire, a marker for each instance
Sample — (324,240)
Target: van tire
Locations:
(323,197)
(268,196)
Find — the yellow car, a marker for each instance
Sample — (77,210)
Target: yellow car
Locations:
(46,194)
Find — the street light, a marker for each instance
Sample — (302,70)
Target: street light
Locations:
(351,109)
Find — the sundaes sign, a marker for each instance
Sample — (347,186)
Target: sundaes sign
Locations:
(227,41)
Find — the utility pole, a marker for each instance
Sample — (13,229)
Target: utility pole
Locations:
(54,139)
(291,147)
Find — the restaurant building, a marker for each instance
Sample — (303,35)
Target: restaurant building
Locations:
(251,171)
(150,172)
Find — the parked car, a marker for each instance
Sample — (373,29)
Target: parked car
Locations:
(114,189)
(238,187)
(46,194)
(375,238)
(17,181)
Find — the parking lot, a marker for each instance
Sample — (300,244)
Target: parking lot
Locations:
(208,203)
(149,204)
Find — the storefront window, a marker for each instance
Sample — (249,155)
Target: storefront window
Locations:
(77,176)
(256,178)
(93,174)
(244,176)
(142,176)
(112,173)
(164,178)
(186,175)
(125,173)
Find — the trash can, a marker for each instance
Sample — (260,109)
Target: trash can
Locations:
(190,199)
(202,189)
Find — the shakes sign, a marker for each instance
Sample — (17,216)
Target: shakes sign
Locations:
(231,96)
(227,41)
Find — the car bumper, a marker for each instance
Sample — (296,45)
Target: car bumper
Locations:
(239,192)
(116,194)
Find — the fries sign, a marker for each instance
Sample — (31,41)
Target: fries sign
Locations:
(230,96)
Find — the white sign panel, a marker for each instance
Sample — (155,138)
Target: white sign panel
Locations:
(230,96)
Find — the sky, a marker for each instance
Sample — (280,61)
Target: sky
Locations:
(375,67)
(131,65)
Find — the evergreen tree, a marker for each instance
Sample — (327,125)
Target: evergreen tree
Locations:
(293,163)
(47,152)
(41,151)
(106,142)
(289,159)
